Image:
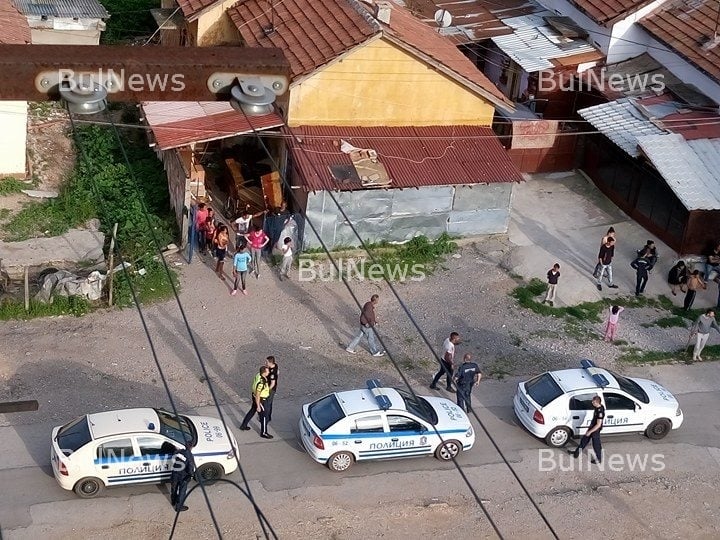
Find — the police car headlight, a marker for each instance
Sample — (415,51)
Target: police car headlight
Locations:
(469,432)
(678,412)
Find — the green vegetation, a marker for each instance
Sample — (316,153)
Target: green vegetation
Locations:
(670,322)
(62,305)
(11,185)
(103,186)
(638,356)
(129,20)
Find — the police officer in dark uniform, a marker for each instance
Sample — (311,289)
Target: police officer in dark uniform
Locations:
(467,376)
(183,468)
(593,432)
(272,379)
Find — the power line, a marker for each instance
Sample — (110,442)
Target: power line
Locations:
(151,342)
(407,311)
(264,523)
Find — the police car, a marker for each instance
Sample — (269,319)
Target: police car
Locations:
(135,446)
(382,423)
(556,405)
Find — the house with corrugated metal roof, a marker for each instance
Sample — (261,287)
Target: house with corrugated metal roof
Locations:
(384,113)
(64,22)
(13,114)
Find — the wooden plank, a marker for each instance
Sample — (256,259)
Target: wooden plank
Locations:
(272,189)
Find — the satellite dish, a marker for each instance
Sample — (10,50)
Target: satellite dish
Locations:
(443,18)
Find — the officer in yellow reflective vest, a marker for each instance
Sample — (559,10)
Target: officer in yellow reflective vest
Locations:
(260,390)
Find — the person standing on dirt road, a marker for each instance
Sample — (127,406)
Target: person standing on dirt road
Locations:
(273,381)
(468,376)
(605,257)
(701,329)
(367,328)
(260,389)
(183,469)
(593,432)
(447,362)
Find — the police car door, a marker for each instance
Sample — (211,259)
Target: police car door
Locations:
(409,437)
(114,461)
(157,456)
(581,412)
(622,413)
(366,435)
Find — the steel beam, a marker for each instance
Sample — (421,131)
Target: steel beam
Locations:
(152,73)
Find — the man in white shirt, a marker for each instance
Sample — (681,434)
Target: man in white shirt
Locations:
(447,363)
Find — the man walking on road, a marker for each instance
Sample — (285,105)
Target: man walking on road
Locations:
(701,328)
(367,328)
(468,375)
(447,363)
(593,432)
(260,389)
(272,380)
(605,257)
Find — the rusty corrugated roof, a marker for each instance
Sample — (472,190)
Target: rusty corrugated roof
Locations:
(684,27)
(15,28)
(63,8)
(412,156)
(176,124)
(609,11)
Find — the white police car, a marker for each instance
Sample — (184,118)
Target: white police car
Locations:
(135,446)
(556,405)
(382,423)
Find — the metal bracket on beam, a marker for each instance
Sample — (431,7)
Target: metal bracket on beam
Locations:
(223,82)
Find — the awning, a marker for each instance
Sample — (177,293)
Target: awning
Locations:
(176,124)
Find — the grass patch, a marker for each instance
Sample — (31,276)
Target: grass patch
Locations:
(673,321)
(9,186)
(576,330)
(5,212)
(151,287)
(638,356)
(62,305)
(499,368)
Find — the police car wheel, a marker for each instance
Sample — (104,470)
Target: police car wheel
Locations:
(658,429)
(448,450)
(209,473)
(89,487)
(558,437)
(341,461)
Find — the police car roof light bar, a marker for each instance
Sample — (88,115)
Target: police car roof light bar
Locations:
(592,370)
(382,400)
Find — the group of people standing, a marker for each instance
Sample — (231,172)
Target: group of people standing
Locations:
(250,242)
(466,376)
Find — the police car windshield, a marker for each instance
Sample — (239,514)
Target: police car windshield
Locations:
(173,427)
(326,412)
(543,389)
(74,435)
(631,387)
(419,407)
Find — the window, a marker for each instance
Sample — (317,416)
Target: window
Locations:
(155,446)
(120,449)
(403,423)
(616,401)
(582,402)
(543,389)
(325,412)
(419,407)
(631,387)
(177,428)
(368,424)
(73,436)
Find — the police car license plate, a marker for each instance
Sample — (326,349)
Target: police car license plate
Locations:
(524,403)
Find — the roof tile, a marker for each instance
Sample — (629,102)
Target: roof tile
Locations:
(190,8)
(609,11)
(683,26)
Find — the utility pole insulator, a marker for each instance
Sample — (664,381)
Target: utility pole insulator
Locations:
(135,74)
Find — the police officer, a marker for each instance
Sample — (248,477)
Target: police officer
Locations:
(272,380)
(260,389)
(468,375)
(183,468)
(593,432)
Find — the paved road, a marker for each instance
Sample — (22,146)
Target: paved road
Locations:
(283,478)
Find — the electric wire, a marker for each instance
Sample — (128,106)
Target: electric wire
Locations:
(359,305)
(427,342)
(262,520)
(148,335)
